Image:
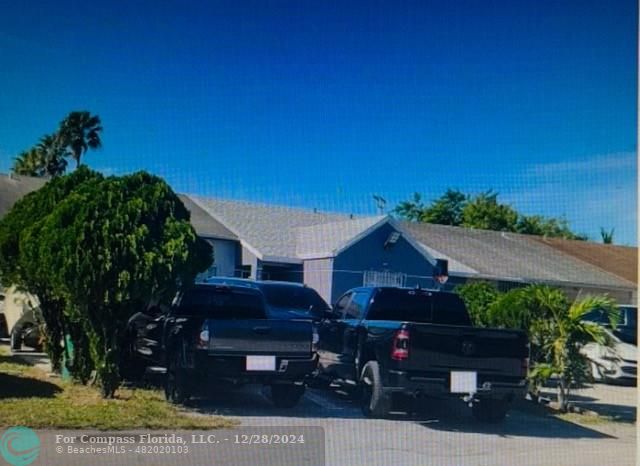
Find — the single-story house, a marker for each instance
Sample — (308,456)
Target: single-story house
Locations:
(333,252)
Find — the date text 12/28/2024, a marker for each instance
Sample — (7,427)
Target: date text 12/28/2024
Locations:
(174,439)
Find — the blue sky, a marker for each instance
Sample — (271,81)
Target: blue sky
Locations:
(322,104)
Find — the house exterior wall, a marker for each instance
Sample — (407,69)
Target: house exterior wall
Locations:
(249,259)
(225,257)
(369,254)
(318,274)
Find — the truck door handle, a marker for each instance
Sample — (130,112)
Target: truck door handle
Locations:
(262,330)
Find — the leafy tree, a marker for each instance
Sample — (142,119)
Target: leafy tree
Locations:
(16,267)
(411,210)
(447,209)
(543,226)
(478,296)
(485,212)
(111,247)
(607,236)
(79,132)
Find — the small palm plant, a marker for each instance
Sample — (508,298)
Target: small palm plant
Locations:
(561,336)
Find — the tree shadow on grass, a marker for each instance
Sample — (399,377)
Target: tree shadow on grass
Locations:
(11,359)
(14,386)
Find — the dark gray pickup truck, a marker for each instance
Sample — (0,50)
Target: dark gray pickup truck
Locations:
(384,342)
(220,336)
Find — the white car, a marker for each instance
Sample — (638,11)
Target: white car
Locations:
(618,363)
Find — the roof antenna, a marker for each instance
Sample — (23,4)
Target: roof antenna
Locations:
(381,202)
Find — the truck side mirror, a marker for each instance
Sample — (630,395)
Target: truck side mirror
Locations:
(328,314)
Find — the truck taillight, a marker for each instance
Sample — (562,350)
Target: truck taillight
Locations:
(203,337)
(400,345)
(315,339)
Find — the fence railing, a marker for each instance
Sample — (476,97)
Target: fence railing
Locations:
(377,278)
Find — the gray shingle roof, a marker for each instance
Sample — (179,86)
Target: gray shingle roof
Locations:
(14,187)
(510,256)
(267,229)
(325,240)
(204,224)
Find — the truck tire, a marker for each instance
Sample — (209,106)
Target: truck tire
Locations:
(490,410)
(286,395)
(16,339)
(175,390)
(374,400)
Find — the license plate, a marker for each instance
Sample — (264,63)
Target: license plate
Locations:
(464,382)
(261,363)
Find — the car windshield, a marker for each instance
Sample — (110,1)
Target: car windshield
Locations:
(419,306)
(222,303)
(626,330)
(630,316)
(292,301)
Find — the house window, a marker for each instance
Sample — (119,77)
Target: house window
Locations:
(244,271)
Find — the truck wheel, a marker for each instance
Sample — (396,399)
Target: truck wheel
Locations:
(490,410)
(286,395)
(375,402)
(16,339)
(174,388)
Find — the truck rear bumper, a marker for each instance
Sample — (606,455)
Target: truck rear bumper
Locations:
(439,386)
(208,367)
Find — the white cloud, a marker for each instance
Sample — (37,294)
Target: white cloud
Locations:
(595,192)
(615,162)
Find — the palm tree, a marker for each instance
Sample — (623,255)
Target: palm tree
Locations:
(563,334)
(28,163)
(52,153)
(79,132)
(607,236)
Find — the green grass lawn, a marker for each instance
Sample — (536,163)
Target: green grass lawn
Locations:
(29,397)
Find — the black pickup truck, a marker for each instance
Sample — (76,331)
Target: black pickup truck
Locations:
(385,342)
(215,336)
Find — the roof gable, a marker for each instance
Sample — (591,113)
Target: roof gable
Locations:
(267,230)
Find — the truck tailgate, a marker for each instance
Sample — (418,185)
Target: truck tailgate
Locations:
(284,338)
(492,352)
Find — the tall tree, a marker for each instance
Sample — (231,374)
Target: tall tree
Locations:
(79,132)
(447,209)
(485,212)
(17,269)
(52,155)
(109,248)
(545,226)
(28,163)
(411,210)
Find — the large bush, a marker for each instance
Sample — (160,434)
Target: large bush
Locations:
(104,250)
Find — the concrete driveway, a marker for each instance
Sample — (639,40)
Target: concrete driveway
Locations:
(443,433)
